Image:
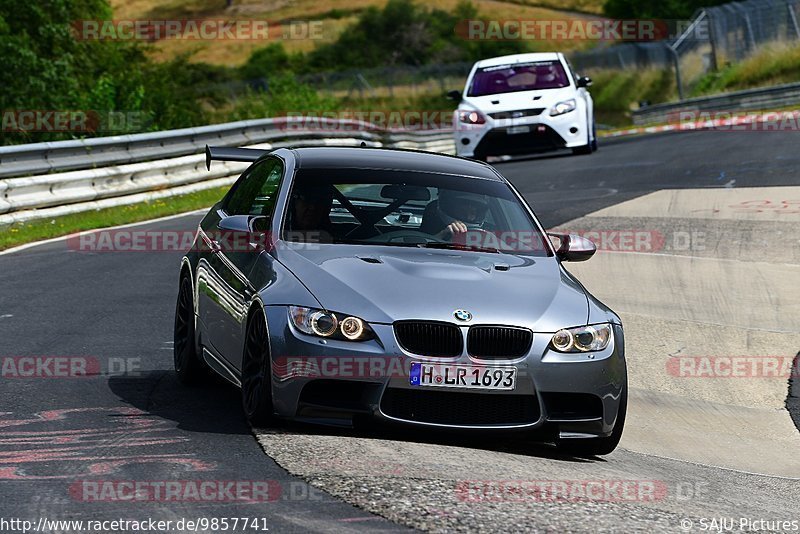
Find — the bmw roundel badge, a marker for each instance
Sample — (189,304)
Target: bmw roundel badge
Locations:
(462,315)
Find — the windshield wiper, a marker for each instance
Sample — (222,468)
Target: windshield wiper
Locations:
(373,243)
(459,246)
(442,246)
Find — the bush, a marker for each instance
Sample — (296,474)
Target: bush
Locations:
(656,9)
(405,33)
(283,95)
(46,67)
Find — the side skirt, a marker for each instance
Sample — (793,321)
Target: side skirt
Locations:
(222,368)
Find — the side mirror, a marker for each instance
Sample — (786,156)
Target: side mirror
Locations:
(235,223)
(243,233)
(454,95)
(573,247)
(584,81)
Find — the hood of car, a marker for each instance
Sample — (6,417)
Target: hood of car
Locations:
(386,284)
(521,100)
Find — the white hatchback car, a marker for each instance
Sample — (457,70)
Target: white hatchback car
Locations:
(522,104)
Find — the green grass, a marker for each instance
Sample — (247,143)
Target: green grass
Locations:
(772,65)
(617,93)
(37,230)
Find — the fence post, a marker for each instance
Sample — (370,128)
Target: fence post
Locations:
(749,26)
(677,62)
(793,18)
(712,39)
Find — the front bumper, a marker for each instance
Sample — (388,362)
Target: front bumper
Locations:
(336,382)
(508,136)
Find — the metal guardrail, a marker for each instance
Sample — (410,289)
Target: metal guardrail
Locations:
(40,158)
(113,171)
(778,97)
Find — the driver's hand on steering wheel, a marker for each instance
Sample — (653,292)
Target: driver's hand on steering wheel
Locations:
(455,227)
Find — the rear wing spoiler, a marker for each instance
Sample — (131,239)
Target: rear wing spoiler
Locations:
(221,153)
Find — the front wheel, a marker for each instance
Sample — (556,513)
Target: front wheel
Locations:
(256,373)
(582,150)
(598,446)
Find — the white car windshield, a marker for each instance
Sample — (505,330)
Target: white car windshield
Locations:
(518,77)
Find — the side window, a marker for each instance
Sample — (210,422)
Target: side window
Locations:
(257,192)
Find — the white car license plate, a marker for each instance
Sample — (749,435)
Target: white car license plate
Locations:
(463,376)
(511,130)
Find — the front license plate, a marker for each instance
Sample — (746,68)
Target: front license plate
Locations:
(511,130)
(462,376)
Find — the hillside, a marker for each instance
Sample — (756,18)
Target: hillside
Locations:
(333,16)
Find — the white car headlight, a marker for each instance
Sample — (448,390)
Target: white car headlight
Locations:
(563,107)
(471,116)
(323,323)
(582,339)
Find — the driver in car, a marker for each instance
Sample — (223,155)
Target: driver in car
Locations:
(455,213)
(310,214)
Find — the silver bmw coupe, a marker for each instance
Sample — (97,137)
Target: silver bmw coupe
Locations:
(337,285)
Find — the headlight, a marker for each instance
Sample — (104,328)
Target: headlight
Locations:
(582,339)
(563,107)
(323,323)
(470,116)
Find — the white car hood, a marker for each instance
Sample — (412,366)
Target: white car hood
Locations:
(545,98)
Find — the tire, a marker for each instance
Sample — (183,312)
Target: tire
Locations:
(257,373)
(594,137)
(598,446)
(188,366)
(582,150)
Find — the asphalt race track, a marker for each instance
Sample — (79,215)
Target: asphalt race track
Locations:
(724,209)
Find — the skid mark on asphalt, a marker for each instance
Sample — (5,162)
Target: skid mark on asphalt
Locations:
(70,443)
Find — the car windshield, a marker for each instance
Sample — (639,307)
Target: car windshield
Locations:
(410,209)
(518,77)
